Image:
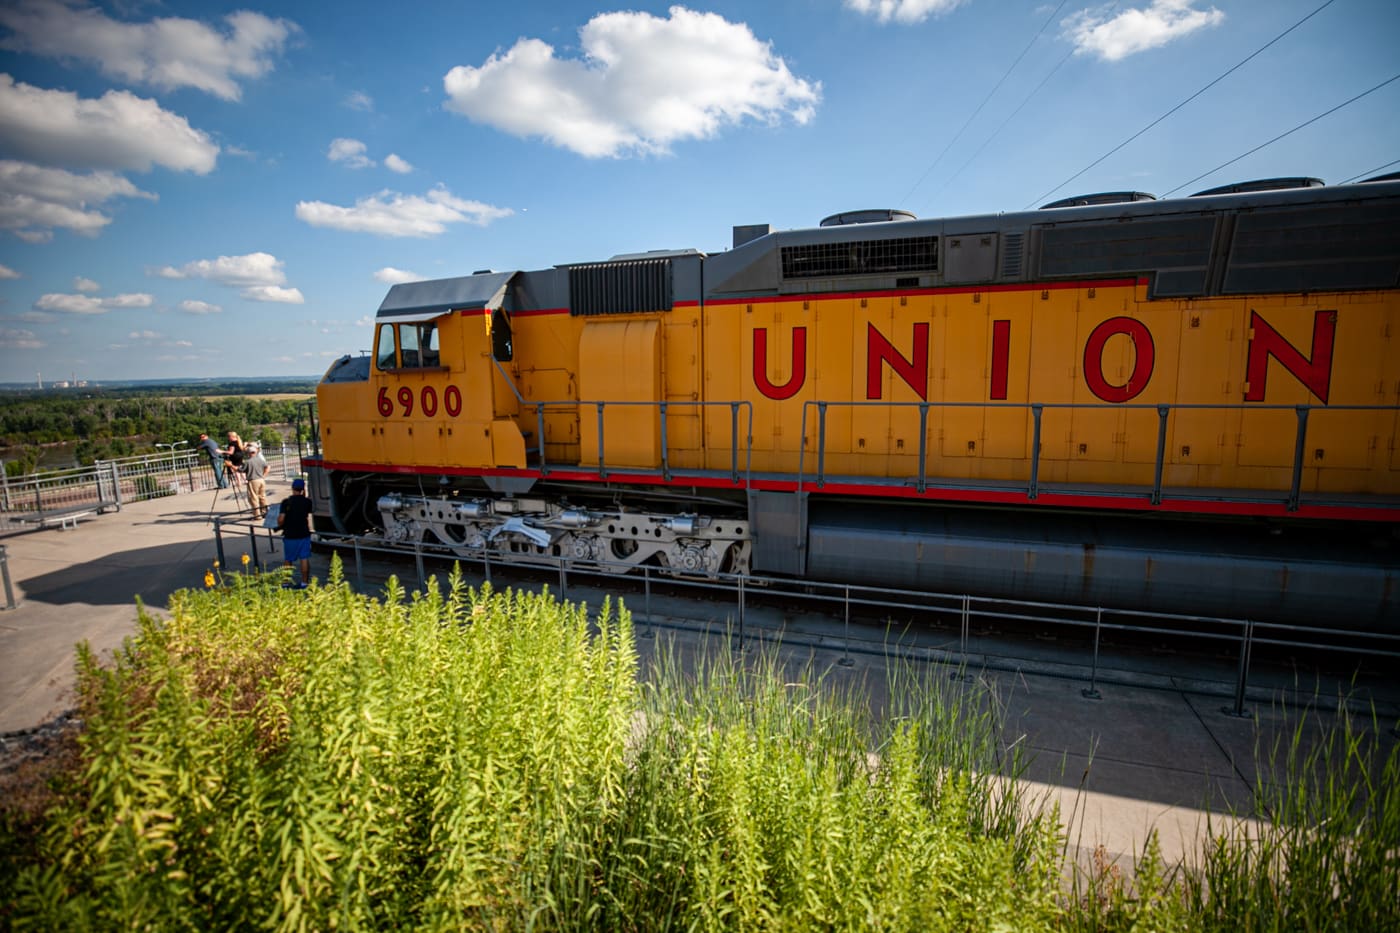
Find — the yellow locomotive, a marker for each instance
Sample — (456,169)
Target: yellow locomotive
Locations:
(1188,405)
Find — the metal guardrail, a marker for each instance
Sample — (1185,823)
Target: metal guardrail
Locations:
(61,496)
(1244,635)
(1154,493)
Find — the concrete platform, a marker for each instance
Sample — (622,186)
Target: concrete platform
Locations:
(1156,750)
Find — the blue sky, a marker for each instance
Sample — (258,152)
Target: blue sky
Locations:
(199,189)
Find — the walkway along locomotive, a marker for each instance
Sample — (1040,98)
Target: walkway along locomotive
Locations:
(1185,405)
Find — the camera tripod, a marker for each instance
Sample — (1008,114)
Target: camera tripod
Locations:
(240,495)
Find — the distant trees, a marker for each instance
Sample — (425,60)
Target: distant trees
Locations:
(107,423)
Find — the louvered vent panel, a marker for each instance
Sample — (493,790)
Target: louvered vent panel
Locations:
(1012,251)
(862,257)
(620,287)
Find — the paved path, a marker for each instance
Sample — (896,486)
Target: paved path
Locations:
(1153,752)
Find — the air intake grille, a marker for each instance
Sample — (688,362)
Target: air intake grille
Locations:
(1012,249)
(862,257)
(620,287)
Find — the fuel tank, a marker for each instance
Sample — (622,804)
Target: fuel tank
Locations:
(1344,578)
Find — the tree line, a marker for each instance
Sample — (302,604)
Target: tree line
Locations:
(107,423)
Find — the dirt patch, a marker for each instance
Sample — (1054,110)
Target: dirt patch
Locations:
(31,762)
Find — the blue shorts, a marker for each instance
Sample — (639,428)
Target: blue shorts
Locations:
(296,549)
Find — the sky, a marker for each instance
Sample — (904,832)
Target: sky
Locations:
(216,190)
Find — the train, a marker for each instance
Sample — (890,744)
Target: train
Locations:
(1185,405)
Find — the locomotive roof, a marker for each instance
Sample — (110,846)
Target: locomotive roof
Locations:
(423,301)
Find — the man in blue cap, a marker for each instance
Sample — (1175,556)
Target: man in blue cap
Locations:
(294,519)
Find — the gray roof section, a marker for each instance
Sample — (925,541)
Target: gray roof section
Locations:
(421,301)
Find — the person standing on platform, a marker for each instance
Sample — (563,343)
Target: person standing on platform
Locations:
(216,458)
(255,467)
(294,519)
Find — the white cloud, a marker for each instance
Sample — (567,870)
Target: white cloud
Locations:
(138,300)
(351,152)
(391,276)
(165,53)
(115,131)
(1113,37)
(249,270)
(395,164)
(144,335)
(7,273)
(191,306)
(17,339)
(642,84)
(70,304)
(903,11)
(358,100)
(86,304)
(389,213)
(35,200)
(81,284)
(274,293)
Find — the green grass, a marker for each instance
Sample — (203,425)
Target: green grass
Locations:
(471,759)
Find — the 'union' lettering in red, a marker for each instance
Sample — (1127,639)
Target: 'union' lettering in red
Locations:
(1314,371)
(799,364)
(1144,357)
(879,350)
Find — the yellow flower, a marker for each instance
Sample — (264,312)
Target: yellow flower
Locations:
(208,578)
(245,558)
(216,565)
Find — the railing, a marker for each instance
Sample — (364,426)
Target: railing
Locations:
(57,495)
(1240,636)
(1153,493)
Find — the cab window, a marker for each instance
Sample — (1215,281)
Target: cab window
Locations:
(416,345)
(386,358)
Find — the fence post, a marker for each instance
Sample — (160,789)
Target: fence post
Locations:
(845,659)
(1093,693)
(647,631)
(283,451)
(219,540)
(253,543)
(117,483)
(5,572)
(39,499)
(5,486)
(189,470)
(1245,646)
(741,613)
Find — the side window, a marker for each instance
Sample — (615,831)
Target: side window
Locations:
(428,339)
(384,358)
(408,346)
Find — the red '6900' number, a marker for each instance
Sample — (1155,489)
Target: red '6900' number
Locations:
(426,401)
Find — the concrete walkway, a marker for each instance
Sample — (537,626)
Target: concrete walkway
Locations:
(82,583)
(1156,750)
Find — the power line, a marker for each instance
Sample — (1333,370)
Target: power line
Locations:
(1295,129)
(1188,100)
(997,132)
(1369,172)
(990,93)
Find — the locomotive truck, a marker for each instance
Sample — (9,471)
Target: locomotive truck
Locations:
(1187,405)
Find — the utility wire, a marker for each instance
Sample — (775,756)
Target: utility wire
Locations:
(990,93)
(1295,129)
(1188,100)
(997,132)
(1369,172)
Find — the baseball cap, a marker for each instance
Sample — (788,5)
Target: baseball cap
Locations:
(298,484)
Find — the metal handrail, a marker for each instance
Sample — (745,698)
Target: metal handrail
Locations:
(1037,410)
(45,496)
